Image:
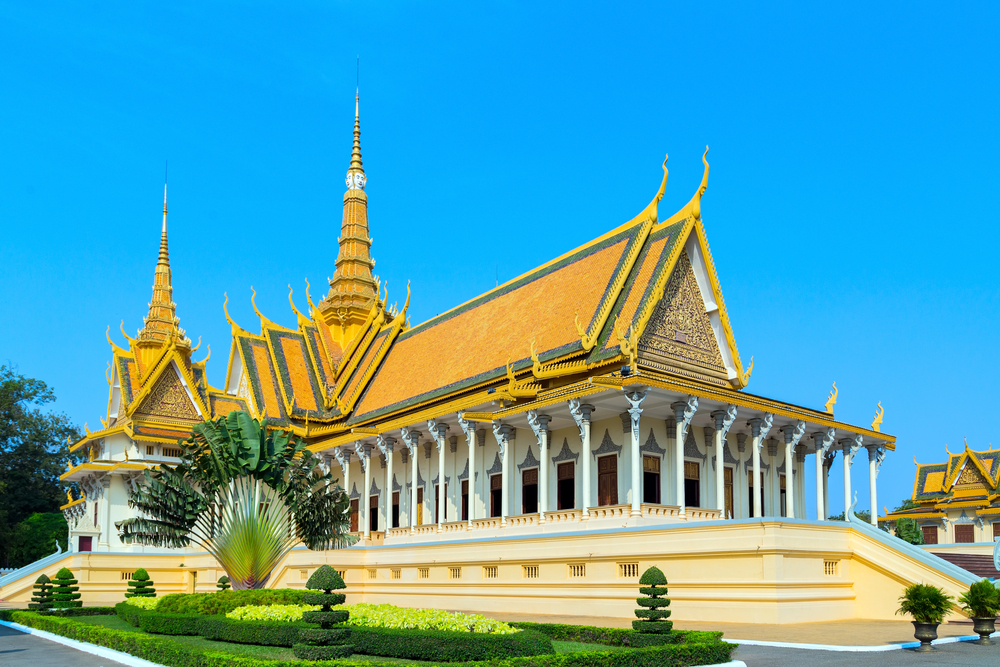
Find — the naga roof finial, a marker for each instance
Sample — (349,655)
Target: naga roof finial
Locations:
(292,303)
(312,306)
(696,200)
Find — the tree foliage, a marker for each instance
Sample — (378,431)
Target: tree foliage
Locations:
(908,530)
(654,613)
(64,590)
(42,598)
(140,585)
(925,603)
(244,492)
(33,454)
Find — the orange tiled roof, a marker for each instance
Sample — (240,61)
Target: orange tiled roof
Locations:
(222,404)
(472,343)
(261,377)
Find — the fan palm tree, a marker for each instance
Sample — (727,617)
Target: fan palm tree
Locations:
(244,492)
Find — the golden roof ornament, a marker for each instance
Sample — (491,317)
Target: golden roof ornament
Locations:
(356,178)
(832,400)
(877,423)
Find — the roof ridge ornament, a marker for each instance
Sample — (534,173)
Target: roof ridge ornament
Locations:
(695,204)
(832,400)
(745,377)
(877,423)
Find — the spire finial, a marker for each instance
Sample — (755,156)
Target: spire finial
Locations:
(356,164)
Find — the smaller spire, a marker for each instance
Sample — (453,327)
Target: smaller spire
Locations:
(164,258)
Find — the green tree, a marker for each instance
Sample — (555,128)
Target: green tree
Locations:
(864,515)
(37,537)
(908,530)
(140,585)
(654,613)
(244,492)
(64,590)
(223,584)
(42,598)
(33,454)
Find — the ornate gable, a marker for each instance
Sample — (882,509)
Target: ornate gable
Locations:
(680,332)
(168,400)
(971,478)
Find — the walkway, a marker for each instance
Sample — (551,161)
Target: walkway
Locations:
(18,648)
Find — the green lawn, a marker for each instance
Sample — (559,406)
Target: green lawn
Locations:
(571,647)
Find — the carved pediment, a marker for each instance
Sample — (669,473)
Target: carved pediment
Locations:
(168,401)
(679,333)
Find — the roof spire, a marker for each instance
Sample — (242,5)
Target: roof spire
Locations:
(356,165)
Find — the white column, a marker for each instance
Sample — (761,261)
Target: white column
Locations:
(469,429)
(876,454)
(343,457)
(759,430)
(581,415)
(502,434)
(684,413)
(740,479)
(385,445)
(411,439)
(793,433)
(364,456)
(823,440)
(437,432)
(635,399)
(723,422)
(540,427)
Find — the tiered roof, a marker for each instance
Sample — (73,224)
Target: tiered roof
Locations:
(968,480)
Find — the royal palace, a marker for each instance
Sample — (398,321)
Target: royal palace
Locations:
(519,462)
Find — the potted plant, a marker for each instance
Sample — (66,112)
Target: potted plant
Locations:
(927,605)
(982,603)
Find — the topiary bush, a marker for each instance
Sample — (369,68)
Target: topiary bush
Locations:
(223,584)
(654,612)
(64,590)
(42,598)
(925,603)
(223,602)
(140,585)
(329,642)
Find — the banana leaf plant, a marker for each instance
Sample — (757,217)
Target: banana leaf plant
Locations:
(244,492)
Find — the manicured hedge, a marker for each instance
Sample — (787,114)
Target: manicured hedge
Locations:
(164,651)
(617,636)
(223,602)
(156,623)
(411,644)
(129,613)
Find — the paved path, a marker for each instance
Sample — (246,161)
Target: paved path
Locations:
(18,648)
(957,653)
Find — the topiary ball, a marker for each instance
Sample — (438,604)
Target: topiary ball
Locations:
(64,573)
(653,577)
(140,575)
(44,579)
(325,578)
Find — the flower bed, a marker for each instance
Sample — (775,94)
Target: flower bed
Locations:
(382,616)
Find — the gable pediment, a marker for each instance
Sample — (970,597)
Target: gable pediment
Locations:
(169,400)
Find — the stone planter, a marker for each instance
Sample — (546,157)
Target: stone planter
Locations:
(984,627)
(926,633)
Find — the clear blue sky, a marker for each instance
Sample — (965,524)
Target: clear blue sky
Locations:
(851,210)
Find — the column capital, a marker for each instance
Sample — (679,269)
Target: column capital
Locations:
(724,419)
(581,413)
(794,432)
(502,433)
(709,433)
(761,426)
(538,423)
(385,444)
(684,410)
(411,438)
(363,450)
(343,456)
(453,443)
(741,442)
(437,430)
(823,440)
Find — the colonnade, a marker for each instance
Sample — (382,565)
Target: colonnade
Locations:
(685,411)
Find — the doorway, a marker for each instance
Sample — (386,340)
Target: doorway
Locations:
(607,480)
(395,509)
(529,491)
(354,515)
(566,490)
(692,484)
(651,479)
(465,500)
(496,494)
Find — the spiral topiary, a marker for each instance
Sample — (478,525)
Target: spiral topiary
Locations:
(64,590)
(329,641)
(654,612)
(140,585)
(42,598)
(223,584)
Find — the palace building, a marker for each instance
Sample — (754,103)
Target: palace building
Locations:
(958,501)
(516,462)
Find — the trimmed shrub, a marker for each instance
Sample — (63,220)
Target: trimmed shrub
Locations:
(140,585)
(261,633)
(328,642)
(445,646)
(156,623)
(654,613)
(129,613)
(925,603)
(64,590)
(223,602)
(80,611)
(223,584)
(588,634)
(42,598)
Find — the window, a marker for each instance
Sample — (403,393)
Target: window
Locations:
(303,575)
(395,509)
(490,572)
(95,514)
(86,543)
(996,531)
(651,479)
(373,513)
(930,534)
(566,487)
(396,573)
(577,570)
(496,494)
(372,574)
(150,450)
(607,480)
(354,515)
(760,487)
(692,484)
(437,509)
(529,571)
(784,510)
(465,500)
(965,533)
(728,481)
(343,574)
(529,491)
(628,569)
(424,573)
(172,451)
(420,506)
(830,567)
(127,575)
(454,573)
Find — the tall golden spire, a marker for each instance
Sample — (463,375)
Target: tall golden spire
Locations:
(353,289)
(162,323)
